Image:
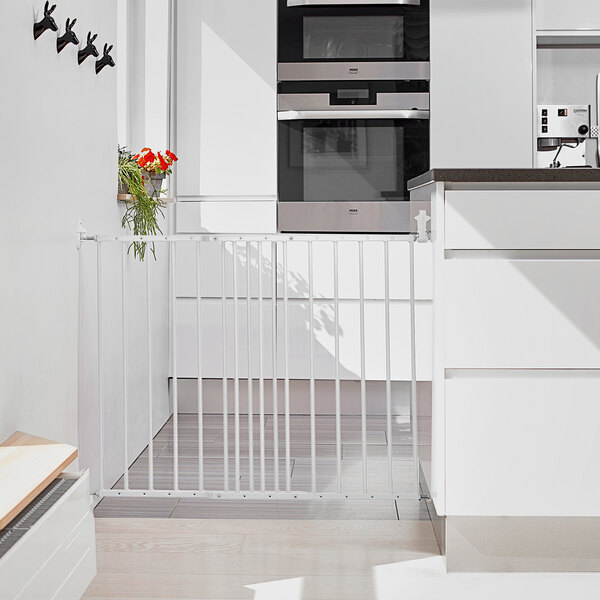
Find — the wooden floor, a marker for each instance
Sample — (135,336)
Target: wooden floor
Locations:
(263,549)
(300,470)
(256,559)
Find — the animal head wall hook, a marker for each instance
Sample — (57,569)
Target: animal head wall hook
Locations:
(68,37)
(46,23)
(89,50)
(106,60)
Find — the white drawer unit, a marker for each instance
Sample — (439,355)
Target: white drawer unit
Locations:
(522,219)
(575,14)
(48,551)
(528,314)
(523,443)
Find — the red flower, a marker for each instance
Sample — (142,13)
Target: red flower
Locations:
(146,150)
(171,155)
(136,157)
(163,163)
(147,159)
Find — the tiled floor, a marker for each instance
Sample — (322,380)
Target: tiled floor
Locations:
(299,472)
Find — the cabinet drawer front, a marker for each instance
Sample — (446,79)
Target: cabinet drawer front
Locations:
(507,449)
(522,220)
(576,14)
(529,314)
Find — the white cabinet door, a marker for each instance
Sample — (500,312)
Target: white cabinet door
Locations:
(481,81)
(523,444)
(575,14)
(226,98)
(522,314)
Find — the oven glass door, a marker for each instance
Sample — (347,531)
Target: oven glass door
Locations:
(352,33)
(350,160)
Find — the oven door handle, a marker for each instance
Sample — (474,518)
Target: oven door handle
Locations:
(306,115)
(348,2)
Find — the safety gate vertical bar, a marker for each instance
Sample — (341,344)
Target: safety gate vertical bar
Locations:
(224,393)
(261,380)
(363,382)
(413,368)
(274,349)
(338,417)
(173,321)
(286,371)
(249,345)
(236,376)
(200,382)
(100,319)
(149,369)
(311,329)
(388,368)
(124,353)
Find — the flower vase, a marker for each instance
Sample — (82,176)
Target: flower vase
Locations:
(153,183)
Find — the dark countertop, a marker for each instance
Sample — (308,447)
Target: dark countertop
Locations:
(506,176)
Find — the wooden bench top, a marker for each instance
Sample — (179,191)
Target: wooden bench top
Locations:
(28,464)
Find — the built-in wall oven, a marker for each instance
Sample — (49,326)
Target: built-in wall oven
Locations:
(353,113)
(346,152)
(357,39)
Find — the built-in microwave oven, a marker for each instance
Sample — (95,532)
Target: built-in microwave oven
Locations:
(353,39)
(346,152)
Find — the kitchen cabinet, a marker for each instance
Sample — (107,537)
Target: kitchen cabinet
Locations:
(575,14)
(481,83)
(226,99)
(516,366)
(531,447)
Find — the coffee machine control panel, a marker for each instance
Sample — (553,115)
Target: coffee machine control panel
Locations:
(564,121)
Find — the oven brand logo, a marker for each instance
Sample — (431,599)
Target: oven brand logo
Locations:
(353,70)
(353,211)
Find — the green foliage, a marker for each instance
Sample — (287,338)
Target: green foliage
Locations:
(141,216)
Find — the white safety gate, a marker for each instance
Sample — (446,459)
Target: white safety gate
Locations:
(261,447)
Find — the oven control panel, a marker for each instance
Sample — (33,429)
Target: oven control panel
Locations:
(563,121)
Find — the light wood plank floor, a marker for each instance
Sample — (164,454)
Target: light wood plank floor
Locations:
(300,470)
(254,559)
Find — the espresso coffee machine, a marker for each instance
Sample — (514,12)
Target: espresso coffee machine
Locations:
(564,133)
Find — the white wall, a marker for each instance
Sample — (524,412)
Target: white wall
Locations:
(481,83)
(59,126)
(58,151)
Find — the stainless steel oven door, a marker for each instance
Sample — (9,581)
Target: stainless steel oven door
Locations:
(329,40)
(346,170)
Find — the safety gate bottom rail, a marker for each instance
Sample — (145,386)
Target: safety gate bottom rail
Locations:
(256,445)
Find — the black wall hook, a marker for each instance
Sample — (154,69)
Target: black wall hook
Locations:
(89,50)
(46,23)
(68,37)
(106,60)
